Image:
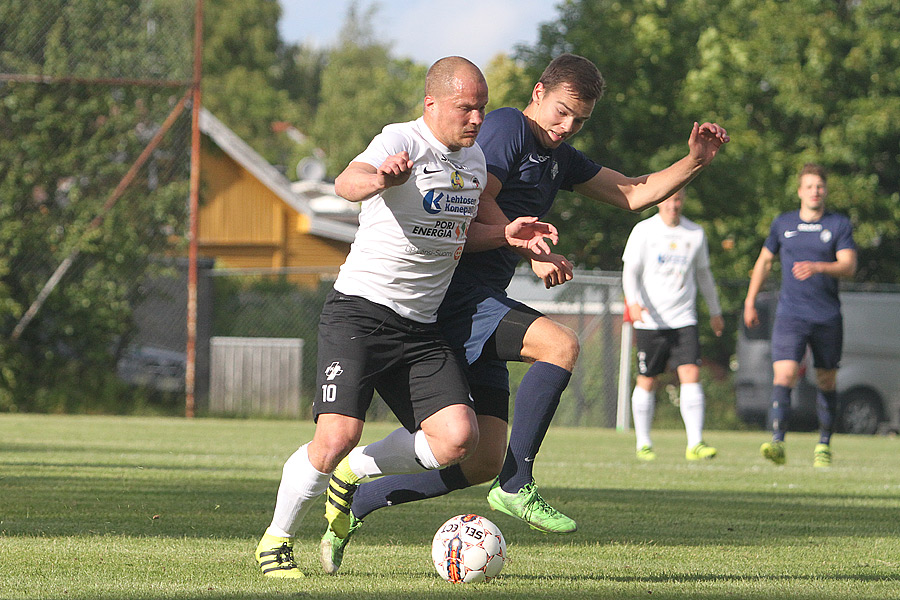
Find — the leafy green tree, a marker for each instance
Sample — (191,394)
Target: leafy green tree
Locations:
(363,89)
(63,149)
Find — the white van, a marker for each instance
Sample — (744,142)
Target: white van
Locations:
(868,381)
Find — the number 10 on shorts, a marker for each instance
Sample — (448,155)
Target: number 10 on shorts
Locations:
(329,392)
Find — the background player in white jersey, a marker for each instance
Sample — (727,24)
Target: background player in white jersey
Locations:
(420,183)
(815,247)
(666,259)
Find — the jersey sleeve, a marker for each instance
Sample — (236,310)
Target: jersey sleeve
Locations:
(580,168)
(501,139)
(844,238)
(386,143)
(773,242)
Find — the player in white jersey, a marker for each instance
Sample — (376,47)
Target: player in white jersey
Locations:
(666,259)
(420,183)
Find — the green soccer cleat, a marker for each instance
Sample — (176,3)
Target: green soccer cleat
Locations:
(339,496)
(822,456)
(527,505)
(275,556)
(702,451)
(331,548)
(646,454)
(773,451)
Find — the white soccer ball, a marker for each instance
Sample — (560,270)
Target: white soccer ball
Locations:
(468,549)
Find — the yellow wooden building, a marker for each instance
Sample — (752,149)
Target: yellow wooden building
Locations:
(250,217)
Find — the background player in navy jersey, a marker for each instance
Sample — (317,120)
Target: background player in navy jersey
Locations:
(816,248)
(528,162)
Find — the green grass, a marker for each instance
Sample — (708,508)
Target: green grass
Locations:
(116,508)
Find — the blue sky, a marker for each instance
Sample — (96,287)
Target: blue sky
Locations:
(425,30)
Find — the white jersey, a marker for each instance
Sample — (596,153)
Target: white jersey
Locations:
(410,237)
(664,262)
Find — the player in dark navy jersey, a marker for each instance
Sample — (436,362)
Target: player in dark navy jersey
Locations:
(528,162)
(816,248)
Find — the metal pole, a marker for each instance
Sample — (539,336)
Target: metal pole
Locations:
(191,348)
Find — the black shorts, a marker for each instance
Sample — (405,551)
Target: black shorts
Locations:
(657,347)
(365,347)
(488,376)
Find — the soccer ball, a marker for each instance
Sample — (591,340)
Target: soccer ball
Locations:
(468,549)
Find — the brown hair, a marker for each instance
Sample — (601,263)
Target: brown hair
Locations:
(813,169)
(577,73)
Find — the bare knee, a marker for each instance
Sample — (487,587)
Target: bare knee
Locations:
(548,341)
(334,438)
(452,434)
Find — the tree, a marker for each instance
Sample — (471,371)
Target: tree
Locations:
(63,148)
(363,89)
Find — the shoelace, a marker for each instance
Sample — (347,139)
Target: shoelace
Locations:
(285,556)
(535,500)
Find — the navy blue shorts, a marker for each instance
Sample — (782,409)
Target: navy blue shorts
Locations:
(366,347)
(791,336)
(487,328)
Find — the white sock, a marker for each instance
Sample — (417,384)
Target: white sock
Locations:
(692,410)
(400,452)
(301,485)
(643,403)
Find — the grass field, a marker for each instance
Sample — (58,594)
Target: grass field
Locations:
(109,507)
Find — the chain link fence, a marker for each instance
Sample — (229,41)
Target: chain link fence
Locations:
(94,181)
(267,304)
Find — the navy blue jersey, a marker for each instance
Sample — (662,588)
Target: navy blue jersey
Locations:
(531,176)
(794,240)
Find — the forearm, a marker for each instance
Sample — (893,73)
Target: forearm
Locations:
(707,286)
(757,278)
(358,182)
(631,275)
(485,236)
(652,189)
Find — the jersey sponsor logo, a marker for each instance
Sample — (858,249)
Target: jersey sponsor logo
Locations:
(672,259)
(333,370)
(427,172)
(432,204)
(456,180)
(790,234)
(476,183)
(440,229)
(461,231)
(537,158)
(809,227)
(458,253)
(410,249)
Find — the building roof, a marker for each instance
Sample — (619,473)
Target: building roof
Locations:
(269,176)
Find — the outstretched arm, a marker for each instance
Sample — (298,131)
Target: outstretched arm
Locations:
(360,181)
(637,193)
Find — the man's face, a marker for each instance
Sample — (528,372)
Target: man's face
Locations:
(559,114)
(812,192)
(670,209)
(456,117)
